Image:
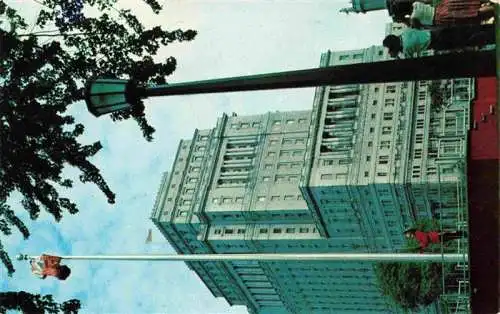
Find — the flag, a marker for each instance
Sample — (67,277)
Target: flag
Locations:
(49,265)
(149,238)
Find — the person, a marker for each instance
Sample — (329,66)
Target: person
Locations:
(426,238)
(49,265)
(413,42)
(447,12)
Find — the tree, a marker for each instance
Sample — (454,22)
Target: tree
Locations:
(411,286)
(40,80)
(34,303)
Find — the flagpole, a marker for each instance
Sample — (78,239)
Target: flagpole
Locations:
(320,257)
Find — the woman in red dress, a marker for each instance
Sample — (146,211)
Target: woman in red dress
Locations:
(426,238)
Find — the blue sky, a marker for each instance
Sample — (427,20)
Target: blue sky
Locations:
(236,37)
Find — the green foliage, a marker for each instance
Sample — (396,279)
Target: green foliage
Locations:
(411,286)
(42,73)
(34,303)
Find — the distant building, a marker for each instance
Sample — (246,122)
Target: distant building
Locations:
(347,176)
(393,7)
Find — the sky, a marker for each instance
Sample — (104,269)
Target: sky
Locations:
(235,37)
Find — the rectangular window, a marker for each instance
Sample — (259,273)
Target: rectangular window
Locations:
(277,230)
(284,153)
(388,116)
(343,57)
(385,144)
(217,231)
(386,130)
(327,176)
(228,231)
(273,142)
(297,153)
(263,230)
(261,198)
(275,198)
(328,162)
(373,116)
(241,231)
(390,89)
(265,179)
(290,230)
(239,200)
(372,130)
(290,121)
(280,179)
(382,174)
(368,158)
(374,103)
(268,166)
(288,141)
(389,102)
(383,160)
(300,141)
(255,124)
(304,230)
(289,197)
(186,202)
(227,200)
(276,122)
(302,120)
(271,154)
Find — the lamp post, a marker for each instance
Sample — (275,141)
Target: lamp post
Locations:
(110,95)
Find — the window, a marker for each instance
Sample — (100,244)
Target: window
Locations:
(327,162)
(284,153)
(343,57)
(374,103)
(189,191)
(383,159)
(239,200)
(186,202)
(376,89)
(227,200)
(388,116)
(302,120)
(290,230)
(235,126)
(368,158)
(300,141)
(382,174)
(373,116)
(273,142)
(193,180)
(255,124)
(386,130)
(304,230)
(366,174)
(275,198)
(389,102)
(261,199)
(245,125)
(289,197)
(198,158)
(288,141)
(271,154)
(217,231)
(370,144)
(357,56)
(290,121)
(280,179)
(195,169)
(276,122)
(372,130)
(241,231)
(277,230)
(390,89)
(385,144)
(263,230)
(327,176)
(228,231)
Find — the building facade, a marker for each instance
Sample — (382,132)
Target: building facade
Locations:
(347,176)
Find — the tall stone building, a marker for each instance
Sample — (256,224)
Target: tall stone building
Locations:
(347,176)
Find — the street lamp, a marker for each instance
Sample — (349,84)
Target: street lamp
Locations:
(110,95)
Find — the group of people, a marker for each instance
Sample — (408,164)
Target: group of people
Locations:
(449,25)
